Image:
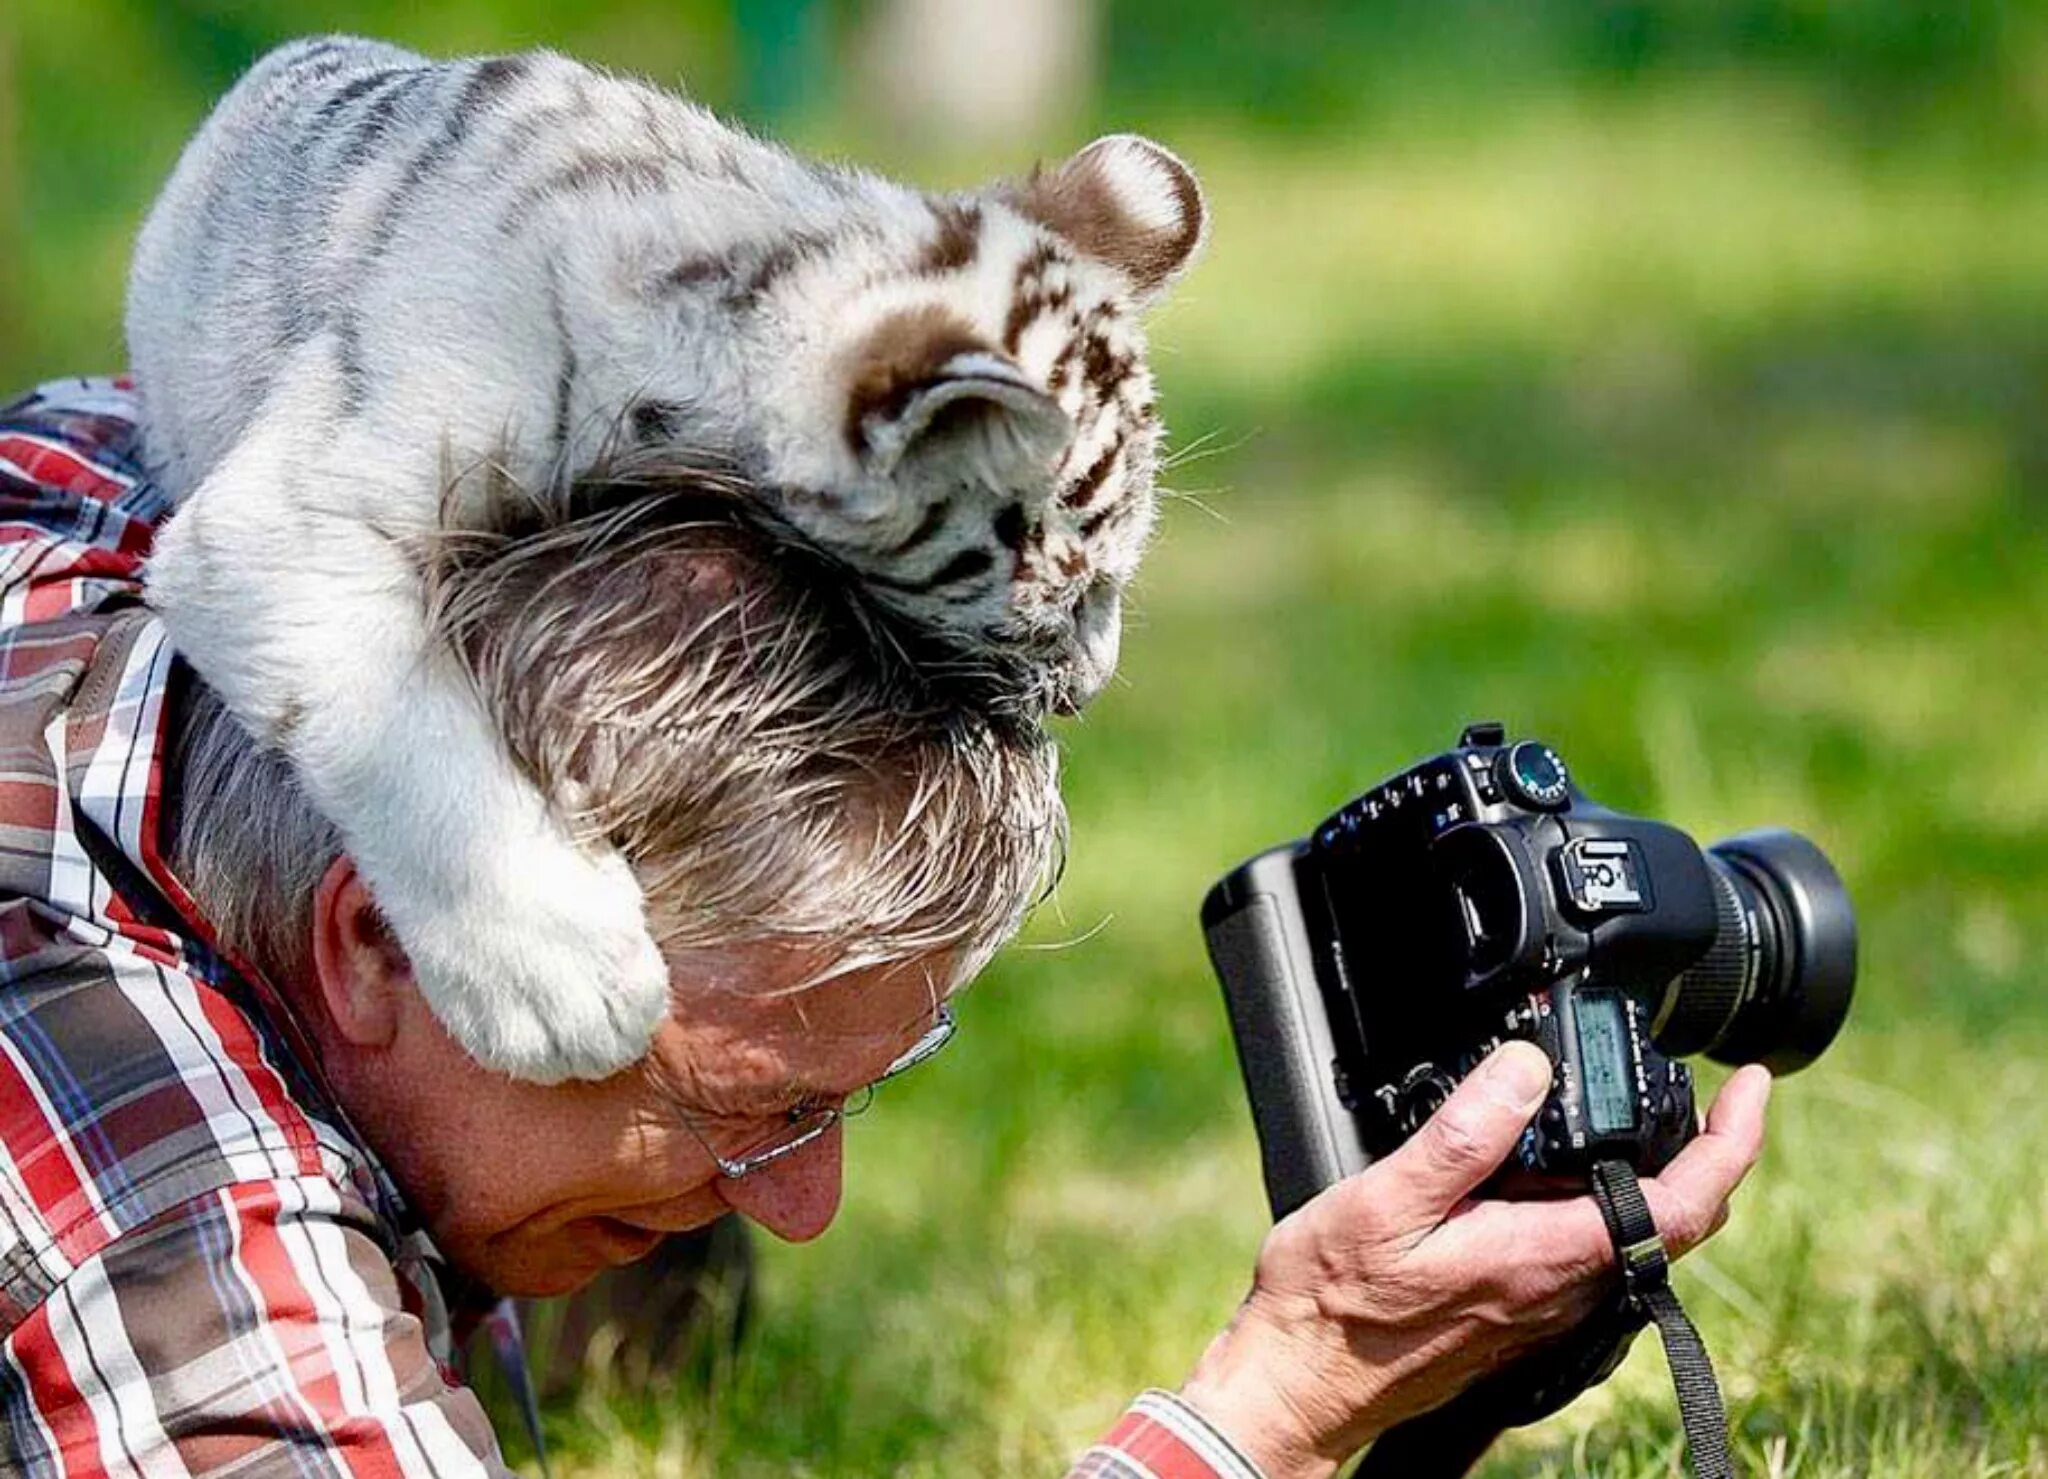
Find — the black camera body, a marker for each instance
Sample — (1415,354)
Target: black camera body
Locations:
(1479,896)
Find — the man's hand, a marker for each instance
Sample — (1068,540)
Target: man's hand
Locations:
(1395,1289)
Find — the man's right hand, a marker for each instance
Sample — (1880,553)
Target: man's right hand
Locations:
(1395,1289)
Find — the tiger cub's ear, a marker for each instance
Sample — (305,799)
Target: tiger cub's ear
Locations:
(926,386)
(1124,201)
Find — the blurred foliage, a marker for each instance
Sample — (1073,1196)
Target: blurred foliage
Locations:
(1666,378)
(1889,66)
(121,83)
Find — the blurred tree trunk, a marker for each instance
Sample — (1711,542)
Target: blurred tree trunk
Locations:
(977,72)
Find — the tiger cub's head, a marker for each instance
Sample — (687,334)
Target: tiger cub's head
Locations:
(949,395)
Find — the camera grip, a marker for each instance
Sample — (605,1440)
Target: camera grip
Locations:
(1259,946)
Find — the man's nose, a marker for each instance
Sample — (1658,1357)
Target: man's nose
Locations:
(795,1198)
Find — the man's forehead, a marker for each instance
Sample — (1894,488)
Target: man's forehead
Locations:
(753,1011)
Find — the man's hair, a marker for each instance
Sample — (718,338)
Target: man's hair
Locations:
(721,705)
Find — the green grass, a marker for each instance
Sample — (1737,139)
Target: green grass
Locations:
(1673,431)
(1683,429)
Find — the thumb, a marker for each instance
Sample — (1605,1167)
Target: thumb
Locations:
(1465,1141)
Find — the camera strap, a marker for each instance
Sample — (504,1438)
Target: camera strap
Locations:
(1449,1441)
(1646,1284)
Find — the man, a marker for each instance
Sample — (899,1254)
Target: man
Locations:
(250,1191)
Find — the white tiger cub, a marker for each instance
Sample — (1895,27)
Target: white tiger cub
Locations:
(372,274)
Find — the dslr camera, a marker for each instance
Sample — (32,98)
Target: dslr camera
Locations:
(1480,895)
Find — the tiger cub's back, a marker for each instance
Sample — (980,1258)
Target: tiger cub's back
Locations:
(522,260)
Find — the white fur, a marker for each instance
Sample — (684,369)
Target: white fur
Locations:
(276,260)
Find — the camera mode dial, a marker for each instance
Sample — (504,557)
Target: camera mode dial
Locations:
(1421,1095)
(1533,776)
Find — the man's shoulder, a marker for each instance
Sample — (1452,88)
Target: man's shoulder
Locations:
(71,471)
(77,677)
(137,1074)
(79,435)
(130,1086)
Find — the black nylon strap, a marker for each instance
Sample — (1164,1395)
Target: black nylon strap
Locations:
(1646,1278)
(1446,1443)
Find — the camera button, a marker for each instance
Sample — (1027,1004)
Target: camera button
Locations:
(1533,775)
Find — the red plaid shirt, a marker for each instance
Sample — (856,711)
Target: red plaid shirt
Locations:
(203,1270)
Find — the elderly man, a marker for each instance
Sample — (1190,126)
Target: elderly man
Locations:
(251,1192)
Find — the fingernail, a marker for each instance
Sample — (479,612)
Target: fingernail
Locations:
(1518,1075)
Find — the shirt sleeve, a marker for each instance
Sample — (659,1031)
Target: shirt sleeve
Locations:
(259,1331)
(1161,1437)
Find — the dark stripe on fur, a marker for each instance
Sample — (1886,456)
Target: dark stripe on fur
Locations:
(321,54)
(372,96)
(957,241)
(290,716)
(1088,527)
(565,372)
(694,272)
(518,136)
(1028,298)
(1085,487)
(746,281)
(348,362)
(487,81)
(376,115)
(317,71)
(964,566)
(655,421)
(1010,527)
(1062,371)
(1106,369)
(779,261)
(933,521)
(340,100)
(588,173)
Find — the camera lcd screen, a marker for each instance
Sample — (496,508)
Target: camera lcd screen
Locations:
(1604,1063)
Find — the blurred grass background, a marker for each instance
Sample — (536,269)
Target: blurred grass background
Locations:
(1665,377)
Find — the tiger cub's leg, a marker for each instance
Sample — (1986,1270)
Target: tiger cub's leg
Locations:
(531,950)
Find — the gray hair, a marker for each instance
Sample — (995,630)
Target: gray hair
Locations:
(715,701)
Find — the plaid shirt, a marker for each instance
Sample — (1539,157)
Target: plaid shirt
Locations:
(203,1270)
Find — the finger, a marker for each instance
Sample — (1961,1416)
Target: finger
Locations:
(1560,1243)
(1742,1100)
(1548,1246)
(1689,1195)
(1464,1142)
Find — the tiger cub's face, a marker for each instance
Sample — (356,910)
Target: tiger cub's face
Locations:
(950,396)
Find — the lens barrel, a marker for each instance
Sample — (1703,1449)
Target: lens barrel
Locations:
(1774,987)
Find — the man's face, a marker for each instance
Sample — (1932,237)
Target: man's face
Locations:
(536,1189)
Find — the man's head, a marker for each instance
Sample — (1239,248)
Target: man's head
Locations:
(830,832)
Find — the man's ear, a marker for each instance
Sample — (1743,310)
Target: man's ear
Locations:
(357,965)
(1125,201)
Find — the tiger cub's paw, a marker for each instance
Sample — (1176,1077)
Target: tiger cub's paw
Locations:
(548,972)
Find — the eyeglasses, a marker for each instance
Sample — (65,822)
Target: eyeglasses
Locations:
(803,1123)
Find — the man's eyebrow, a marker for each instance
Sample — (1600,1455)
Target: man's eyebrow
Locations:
(794,1093)
(750,1103)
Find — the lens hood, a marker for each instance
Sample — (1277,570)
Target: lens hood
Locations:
(1796,1012)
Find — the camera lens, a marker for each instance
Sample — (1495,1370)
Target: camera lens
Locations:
(1775,985)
